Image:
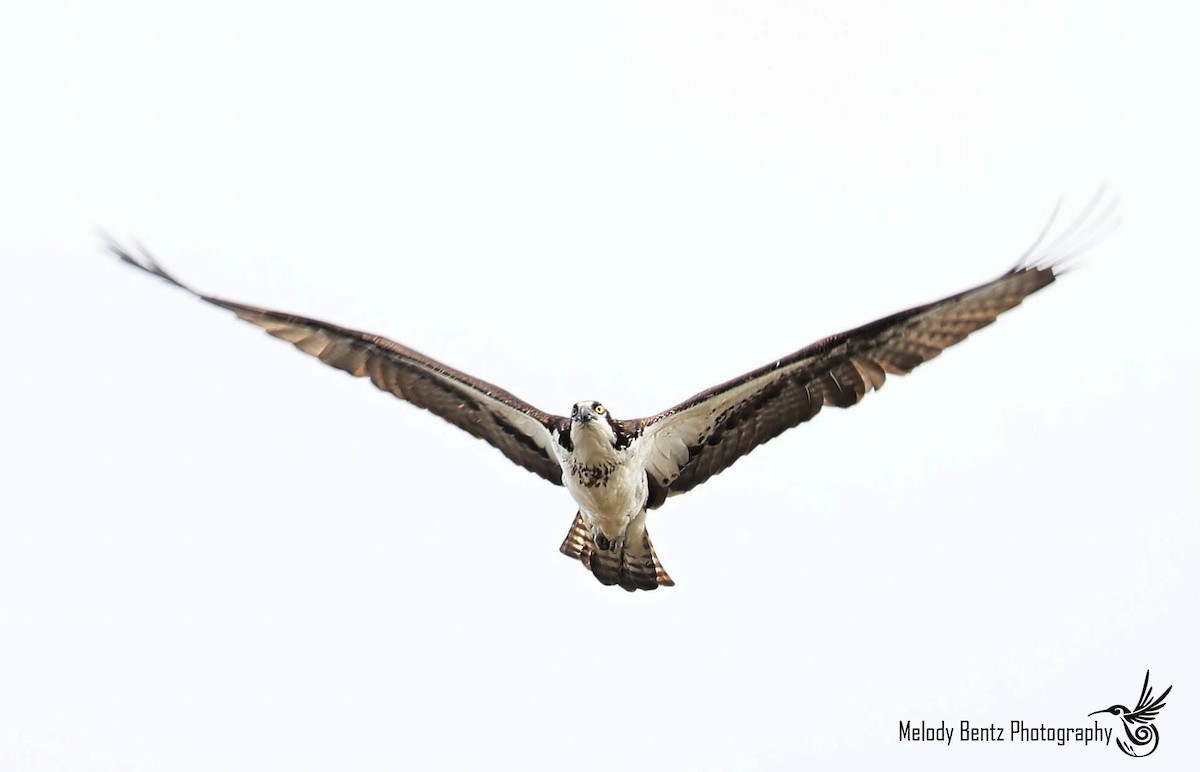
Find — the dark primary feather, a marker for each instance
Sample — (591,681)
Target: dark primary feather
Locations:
(480,408)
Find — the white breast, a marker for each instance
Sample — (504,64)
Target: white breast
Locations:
(609,485)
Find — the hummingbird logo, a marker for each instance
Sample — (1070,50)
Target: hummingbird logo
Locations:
(1139,725)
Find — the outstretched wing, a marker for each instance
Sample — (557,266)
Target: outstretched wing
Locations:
(516,428)
(707,433)
(1148,705)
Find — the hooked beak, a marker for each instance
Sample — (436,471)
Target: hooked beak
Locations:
(586,415)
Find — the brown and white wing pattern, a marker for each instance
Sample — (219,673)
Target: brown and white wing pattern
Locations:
(707,433)
(518,430)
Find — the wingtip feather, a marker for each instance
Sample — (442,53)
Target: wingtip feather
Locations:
(1095,222)
(143,261)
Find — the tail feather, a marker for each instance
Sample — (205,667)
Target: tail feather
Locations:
(579,544)
(632,563)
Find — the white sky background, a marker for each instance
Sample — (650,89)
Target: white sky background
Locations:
(217,554)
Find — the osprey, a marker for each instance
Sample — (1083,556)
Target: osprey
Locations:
(617,470)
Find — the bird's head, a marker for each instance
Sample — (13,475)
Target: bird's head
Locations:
(591,419)
(1116,710)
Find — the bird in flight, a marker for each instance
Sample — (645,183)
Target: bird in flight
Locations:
(617,470)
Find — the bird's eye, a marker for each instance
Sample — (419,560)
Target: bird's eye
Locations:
(600,410)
